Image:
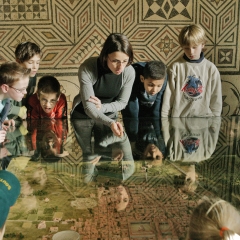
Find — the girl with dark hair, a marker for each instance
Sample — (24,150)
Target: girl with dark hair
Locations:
(106,83)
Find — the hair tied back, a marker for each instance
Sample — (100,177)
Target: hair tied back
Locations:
(221,232)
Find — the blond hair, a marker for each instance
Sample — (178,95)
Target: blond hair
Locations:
(192,35)
(11,72)
(214,219)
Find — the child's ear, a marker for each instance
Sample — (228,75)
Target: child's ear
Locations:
(4,88)
(17,60)
(141,78)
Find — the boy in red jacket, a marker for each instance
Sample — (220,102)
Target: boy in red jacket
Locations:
(48,101)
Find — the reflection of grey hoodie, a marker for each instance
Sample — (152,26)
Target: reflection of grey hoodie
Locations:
(190,139)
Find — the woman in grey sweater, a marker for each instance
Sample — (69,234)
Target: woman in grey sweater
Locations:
(106,83)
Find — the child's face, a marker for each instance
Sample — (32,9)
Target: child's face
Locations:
(152,86)
(50,144)
(153,152)
(48,101)
(40,175)
(18,89)
(122,198)
(33,64)
(193,52)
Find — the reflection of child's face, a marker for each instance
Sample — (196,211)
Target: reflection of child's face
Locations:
(152,86)
(50,143)
(118,195)
(122,198)
(33,64)
(40,175)
(153,152)
(26,189)
(48,101)
(3,152)
(190,183)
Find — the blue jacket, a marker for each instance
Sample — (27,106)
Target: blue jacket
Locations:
(134,108)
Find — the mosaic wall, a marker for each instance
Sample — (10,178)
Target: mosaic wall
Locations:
(72,30)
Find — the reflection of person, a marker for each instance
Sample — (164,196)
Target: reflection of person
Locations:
(107,148)
(147,91)
(231,131)
(110,158)
(40,175)
(46,138)
(190,139)
(9,192)
(48,101)
(13,84)
(118,195)
(28,55)
(194,86)
(15,144)
(105,83)
(187,183)
(146,138)
(214,218)
(15,139)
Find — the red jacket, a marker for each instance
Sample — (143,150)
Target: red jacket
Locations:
(35,110)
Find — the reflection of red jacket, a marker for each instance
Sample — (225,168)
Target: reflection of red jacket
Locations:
(39,127)
(35,110)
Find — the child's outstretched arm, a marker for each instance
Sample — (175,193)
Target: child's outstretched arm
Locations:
(169,95)
(61,111)
(2,135)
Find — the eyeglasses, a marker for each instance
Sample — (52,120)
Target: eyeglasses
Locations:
(23,90)
(51,102)
(118,62)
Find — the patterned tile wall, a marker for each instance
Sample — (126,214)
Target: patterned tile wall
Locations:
(72,30)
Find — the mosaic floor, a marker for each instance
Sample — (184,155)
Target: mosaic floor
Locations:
(102,187)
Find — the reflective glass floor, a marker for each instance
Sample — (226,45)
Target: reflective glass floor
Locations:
(77,176)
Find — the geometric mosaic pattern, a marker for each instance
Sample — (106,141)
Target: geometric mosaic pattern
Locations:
(71,31)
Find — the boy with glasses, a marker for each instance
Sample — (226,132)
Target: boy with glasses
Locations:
(14,80)
(194,86)
(48,101)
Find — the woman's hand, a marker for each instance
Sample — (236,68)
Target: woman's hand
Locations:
(117,129)
(95,101)
(117,154)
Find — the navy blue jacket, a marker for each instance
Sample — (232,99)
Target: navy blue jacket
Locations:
(134,108)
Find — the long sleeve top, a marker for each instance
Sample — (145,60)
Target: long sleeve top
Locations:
(113,90)
(193,89)
(190,139)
